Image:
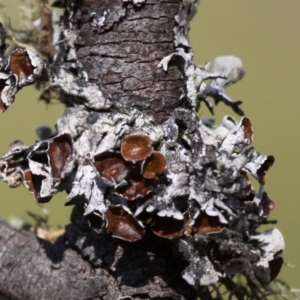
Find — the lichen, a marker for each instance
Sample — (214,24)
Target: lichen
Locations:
(183,179)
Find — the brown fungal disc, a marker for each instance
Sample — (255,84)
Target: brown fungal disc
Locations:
(207,224)
(111,166)
(154,165)
(136,147)
(122,224)
(60,149)
(138,189)
(19,63)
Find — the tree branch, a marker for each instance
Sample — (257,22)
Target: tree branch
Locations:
(167,195)
(84,265)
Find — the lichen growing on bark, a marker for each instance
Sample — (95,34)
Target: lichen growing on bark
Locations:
(134,163)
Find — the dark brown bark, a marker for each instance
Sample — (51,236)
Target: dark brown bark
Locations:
(122,56)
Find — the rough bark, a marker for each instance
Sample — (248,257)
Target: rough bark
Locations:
(122,56)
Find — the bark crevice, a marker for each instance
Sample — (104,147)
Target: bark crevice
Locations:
(130,49)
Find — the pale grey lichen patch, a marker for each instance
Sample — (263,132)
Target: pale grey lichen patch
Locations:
(107,128)
(10,173)
(99,21)
(88,185)
(271,243)
(230,67)
(239,136)
(201,271)
(195,76)
(69,40)
(92,96)
(73,125)
(183,18)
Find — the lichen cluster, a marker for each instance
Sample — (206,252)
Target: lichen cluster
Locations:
(184,179)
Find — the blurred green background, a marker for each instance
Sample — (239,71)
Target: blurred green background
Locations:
(265,35)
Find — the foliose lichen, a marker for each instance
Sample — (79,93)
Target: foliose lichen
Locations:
(184,179)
